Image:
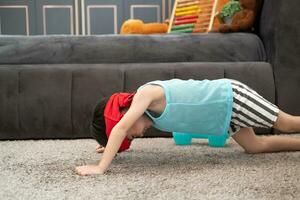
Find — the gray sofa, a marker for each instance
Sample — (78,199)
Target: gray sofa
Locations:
(49,85)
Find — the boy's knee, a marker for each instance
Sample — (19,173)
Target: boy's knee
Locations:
(253,151)
(260,146)
(284,122)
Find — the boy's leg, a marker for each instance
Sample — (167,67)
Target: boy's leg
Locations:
(262,144)
(287,123)
(251,109)
(247,139)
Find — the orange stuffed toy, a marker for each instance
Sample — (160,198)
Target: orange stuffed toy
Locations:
(135,26)
(243,20)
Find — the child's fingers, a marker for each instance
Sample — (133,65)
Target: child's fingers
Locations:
(99,147)
(100,150)
(79,171)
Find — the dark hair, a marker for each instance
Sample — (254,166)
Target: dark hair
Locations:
(98,123)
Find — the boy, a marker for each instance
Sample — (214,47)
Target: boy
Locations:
(191,106)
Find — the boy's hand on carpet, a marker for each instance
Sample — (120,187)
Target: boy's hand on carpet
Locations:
(100,148)
(88,170)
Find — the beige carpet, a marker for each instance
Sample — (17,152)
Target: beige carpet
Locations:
(154,168)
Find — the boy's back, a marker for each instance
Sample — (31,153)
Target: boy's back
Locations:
(194,106)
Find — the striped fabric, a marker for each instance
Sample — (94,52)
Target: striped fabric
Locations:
(250,109)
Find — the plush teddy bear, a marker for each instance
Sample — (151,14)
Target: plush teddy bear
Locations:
(243,20)
(135,26)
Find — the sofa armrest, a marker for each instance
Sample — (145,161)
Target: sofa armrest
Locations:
(280,33)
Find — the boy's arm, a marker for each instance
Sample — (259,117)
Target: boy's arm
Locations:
(119,132)
(139,105)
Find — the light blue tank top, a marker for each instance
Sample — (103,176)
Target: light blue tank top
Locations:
(193,106)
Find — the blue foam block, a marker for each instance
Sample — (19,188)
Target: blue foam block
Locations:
(213,140)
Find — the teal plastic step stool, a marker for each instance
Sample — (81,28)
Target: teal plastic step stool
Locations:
(213,140)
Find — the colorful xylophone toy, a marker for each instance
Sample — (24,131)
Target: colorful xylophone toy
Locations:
(192,16)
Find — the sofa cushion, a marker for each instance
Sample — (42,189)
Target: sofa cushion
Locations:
(214,47)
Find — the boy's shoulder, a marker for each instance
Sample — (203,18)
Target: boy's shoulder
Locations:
(154,92)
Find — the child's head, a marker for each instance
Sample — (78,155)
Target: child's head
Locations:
(139,127)
(99,122)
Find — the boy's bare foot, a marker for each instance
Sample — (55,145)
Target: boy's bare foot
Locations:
(100,148)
